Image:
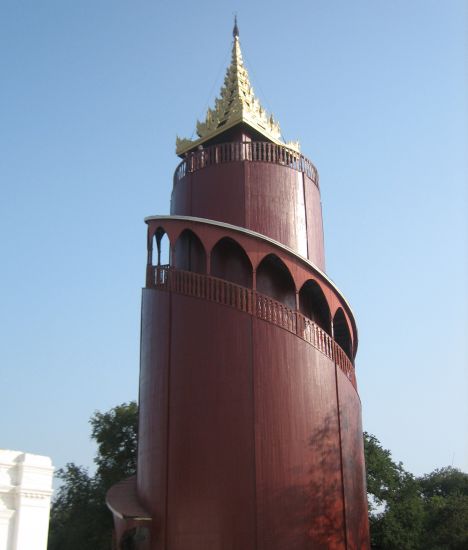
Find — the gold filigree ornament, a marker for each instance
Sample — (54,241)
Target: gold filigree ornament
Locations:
(236,104)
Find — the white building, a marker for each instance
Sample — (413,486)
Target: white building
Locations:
(25,493)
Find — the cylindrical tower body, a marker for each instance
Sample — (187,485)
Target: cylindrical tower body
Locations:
(257,185)
(250,433)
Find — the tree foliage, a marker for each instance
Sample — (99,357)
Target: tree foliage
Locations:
(79,516)
(445,496)
(115,433)
(410,513)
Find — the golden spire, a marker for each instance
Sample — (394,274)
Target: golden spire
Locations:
(236,104)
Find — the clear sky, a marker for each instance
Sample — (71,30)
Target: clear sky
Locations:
(92,96)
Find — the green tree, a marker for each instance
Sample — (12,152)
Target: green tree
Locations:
(115,433)
(395,506)
(409,513)
(384,476)
(79,516)
(445,496)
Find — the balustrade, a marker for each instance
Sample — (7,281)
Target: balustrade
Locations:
(252,302)
(254,151)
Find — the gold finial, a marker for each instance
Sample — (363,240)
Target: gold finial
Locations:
(236,104)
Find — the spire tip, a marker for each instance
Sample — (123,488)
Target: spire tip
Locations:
(235,30)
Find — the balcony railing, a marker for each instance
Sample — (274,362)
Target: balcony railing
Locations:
(255,151)
(252,302)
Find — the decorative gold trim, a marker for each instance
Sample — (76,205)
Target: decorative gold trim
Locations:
(236,104)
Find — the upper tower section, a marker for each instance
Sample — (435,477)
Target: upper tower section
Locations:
(240,171)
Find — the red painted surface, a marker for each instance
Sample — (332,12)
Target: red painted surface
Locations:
(257,249)
(153,410)
(276,201)
(250,423)
(252,449)
(261,306)
(314,223)
(211,482)
(354,476)
(299,490)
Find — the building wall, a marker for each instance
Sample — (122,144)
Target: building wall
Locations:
(276,201)
(241,436)
(25,493)
(250,422)
(256,249)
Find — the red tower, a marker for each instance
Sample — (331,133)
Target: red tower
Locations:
(250,431)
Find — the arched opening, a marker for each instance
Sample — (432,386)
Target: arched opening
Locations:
(230,262)
(189,253)
(161,248)
(341,333)
(314,305)
(274,279)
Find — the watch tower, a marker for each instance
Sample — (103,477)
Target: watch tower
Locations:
(250,432)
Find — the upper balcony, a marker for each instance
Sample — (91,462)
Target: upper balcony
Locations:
(239,151)
(239,268)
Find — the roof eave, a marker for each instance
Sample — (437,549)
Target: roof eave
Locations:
(181,151)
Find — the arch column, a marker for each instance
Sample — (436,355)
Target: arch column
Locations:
(149,263)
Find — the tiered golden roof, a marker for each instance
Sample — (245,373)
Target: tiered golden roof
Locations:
(237,104)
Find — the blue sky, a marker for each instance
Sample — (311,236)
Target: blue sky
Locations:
(92,97)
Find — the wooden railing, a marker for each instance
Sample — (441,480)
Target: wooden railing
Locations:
(255,151)
(252,302)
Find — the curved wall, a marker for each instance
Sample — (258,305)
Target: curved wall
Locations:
(277,201)
(256,249)
(241,433)
(153,410)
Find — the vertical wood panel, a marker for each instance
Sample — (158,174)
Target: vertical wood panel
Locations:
(299,492)
(153,403)
(315,238)
(211,451)
(354,476)
(218,193)
(181,198)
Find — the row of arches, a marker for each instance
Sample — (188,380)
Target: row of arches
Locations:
(229,261)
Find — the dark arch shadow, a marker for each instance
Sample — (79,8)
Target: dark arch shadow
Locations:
(189,253)
(314,305)
(230,262)
(275,280)
(341,333)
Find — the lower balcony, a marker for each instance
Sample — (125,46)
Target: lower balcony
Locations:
(253,303)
